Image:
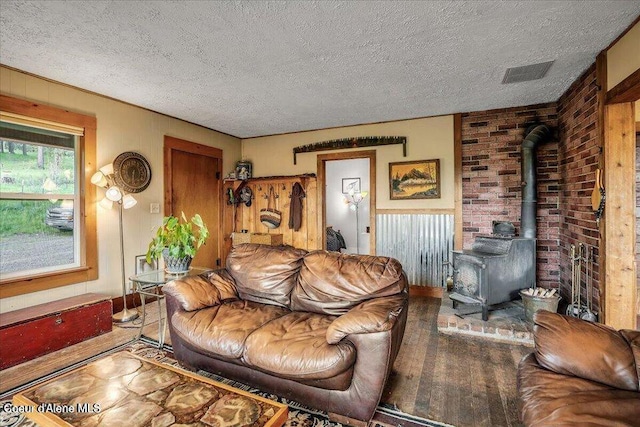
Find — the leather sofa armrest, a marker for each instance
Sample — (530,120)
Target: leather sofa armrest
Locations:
(197,292)
(596,352)
(374,315)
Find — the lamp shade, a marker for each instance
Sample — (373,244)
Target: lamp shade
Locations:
(128,201)
(106,203)
(99,179)
(114,194)
(107,169)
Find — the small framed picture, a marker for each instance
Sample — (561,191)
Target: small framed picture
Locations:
(350,185)
(244,170)
(142,266)
(414,180)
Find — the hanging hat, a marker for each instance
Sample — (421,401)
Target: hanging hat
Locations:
(246,195)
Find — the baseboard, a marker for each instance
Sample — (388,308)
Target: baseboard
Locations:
(133,300)
(426,291)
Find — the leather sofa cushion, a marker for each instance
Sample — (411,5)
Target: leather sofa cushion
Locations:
(193,292)
(196,292)
(265,273)
(222,330)
(224,284)
(333,283)
(375,315)
(593,351)
(294,347)
(551,399)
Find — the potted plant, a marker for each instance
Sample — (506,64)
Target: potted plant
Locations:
(178,240)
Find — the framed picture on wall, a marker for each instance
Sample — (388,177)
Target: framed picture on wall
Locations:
(142,266)
(417,179)
(350,185)
(244,170)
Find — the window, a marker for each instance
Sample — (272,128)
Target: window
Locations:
(47,207)
(38,192)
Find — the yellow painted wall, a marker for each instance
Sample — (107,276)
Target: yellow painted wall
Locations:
(121,127)
(427,138)
(623,58)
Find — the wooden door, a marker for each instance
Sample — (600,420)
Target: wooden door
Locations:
(193,185)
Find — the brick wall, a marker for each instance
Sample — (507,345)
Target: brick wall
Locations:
(566,176)
(491,188)
(579,155)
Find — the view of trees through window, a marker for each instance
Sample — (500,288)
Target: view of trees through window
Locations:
(37,197)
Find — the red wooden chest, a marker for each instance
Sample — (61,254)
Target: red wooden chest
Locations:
(35,331)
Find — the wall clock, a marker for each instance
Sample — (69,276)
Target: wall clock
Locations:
(132,172)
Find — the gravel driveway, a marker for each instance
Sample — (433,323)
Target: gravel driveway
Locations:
(30,251)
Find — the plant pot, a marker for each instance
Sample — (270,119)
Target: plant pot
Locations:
(176,265)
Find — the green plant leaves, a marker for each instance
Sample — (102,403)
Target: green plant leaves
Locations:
(179,237)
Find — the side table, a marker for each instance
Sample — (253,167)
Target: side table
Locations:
(148,285)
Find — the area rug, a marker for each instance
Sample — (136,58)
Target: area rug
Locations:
(299,415)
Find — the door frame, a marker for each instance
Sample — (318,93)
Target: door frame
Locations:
(172,143)
(321,168)
(617,230)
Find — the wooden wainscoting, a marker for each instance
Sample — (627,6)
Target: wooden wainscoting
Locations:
(248,217)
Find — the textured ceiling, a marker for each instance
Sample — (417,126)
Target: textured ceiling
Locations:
(260,68)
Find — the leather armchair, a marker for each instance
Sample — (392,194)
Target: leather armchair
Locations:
(581,373)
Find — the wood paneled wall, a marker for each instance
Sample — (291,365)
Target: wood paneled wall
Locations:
(619,227)
(248,217)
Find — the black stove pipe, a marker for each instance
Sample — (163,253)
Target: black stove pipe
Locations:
(535,135)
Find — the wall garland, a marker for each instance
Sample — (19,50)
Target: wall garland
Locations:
(344,143)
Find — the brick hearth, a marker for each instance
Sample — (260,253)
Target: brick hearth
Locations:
(505,324)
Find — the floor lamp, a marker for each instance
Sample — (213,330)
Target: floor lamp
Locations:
(353,200)
(104,178)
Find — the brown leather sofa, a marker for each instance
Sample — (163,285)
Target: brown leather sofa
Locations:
(321,328)
(581,374)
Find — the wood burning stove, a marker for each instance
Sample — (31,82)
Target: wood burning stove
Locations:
(498,266)
(493,271)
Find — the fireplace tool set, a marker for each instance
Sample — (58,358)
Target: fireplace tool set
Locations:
(579,256)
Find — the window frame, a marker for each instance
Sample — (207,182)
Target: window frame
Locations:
(88,268)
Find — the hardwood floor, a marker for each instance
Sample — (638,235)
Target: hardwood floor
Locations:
(458,381)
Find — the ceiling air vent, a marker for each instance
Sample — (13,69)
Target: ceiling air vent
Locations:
(526,72)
